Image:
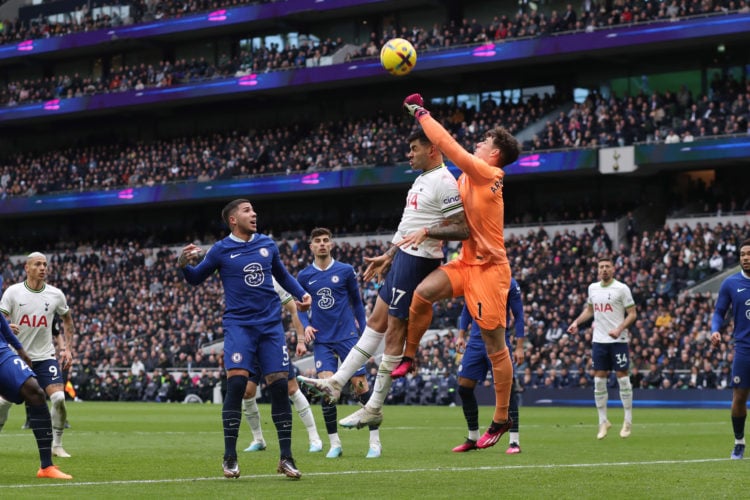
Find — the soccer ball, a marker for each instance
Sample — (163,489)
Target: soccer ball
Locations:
(398,56)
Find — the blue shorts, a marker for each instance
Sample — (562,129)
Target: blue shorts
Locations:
(611,356)
(741,371)
(327,356)
(475,364)
(13,374)
(256,346)
(48,372)
(256,375)
(407,271)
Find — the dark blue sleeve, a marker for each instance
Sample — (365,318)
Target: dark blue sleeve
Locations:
(356,300)
(515,304)
(10,337)
(465,319)
(195,275)
(722,306)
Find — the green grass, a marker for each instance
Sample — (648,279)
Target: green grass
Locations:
(174,451)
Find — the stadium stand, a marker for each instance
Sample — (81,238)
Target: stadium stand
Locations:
(143,335)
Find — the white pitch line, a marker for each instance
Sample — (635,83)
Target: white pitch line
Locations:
(392,471)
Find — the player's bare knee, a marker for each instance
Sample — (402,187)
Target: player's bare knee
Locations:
(273,377)
(293,386)
(32,393)
(58,399)
(360,385)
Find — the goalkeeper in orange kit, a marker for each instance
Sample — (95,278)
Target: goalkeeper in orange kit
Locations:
(481,273)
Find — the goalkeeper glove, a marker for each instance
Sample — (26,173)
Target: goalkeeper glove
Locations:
(414,105)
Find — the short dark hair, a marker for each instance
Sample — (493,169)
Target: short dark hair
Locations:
(605,259)
(320,231)
(418,135)
(508,145)
(745,243)
(231,208)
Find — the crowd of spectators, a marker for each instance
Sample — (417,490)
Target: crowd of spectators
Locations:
(530,22)
(302,147)
(374,140)
(139,326)
(273,57)
(527,21)
(668,117)
(164,74)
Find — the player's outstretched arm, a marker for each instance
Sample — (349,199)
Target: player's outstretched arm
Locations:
(479,171)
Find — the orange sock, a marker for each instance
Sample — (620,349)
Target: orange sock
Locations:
(502,371)
(420,318)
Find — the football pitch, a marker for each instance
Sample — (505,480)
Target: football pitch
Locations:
(150,450)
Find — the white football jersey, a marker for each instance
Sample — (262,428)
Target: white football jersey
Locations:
(33,311)
(433,197)
(609,303)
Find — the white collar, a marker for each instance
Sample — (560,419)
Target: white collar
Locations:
(240,240)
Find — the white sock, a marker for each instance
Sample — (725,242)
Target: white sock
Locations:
(739,441)
(362,351)
(383,381)
(600,396)
(334,439)
(5,407)
(626,396)
(514,438)
(252,414)
(59,416)
(474,435)
(375,435)
(302,406)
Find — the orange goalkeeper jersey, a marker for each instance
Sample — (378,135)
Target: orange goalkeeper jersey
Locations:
(481,188)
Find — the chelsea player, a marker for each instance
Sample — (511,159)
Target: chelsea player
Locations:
(336,320)
(247,262)
(18,384)
(735,291)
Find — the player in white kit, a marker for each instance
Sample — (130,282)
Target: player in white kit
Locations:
(611,304)
(30,308)
(433,213)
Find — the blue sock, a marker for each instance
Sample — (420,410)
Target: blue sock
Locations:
(470,407)
(738,424)
(41,425)
(281,414)
(329,417)
(231,413)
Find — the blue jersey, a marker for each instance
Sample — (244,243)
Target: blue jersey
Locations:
(7,340)
(245,269)
(735,291)
(13,371)
(336,302)
(515,306)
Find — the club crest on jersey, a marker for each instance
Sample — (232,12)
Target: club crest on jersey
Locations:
(236,357)
(264,252)
(603,308)
(737,379)
(335,279)
(33,321)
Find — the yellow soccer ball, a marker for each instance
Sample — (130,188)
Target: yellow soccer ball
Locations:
(398,56)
